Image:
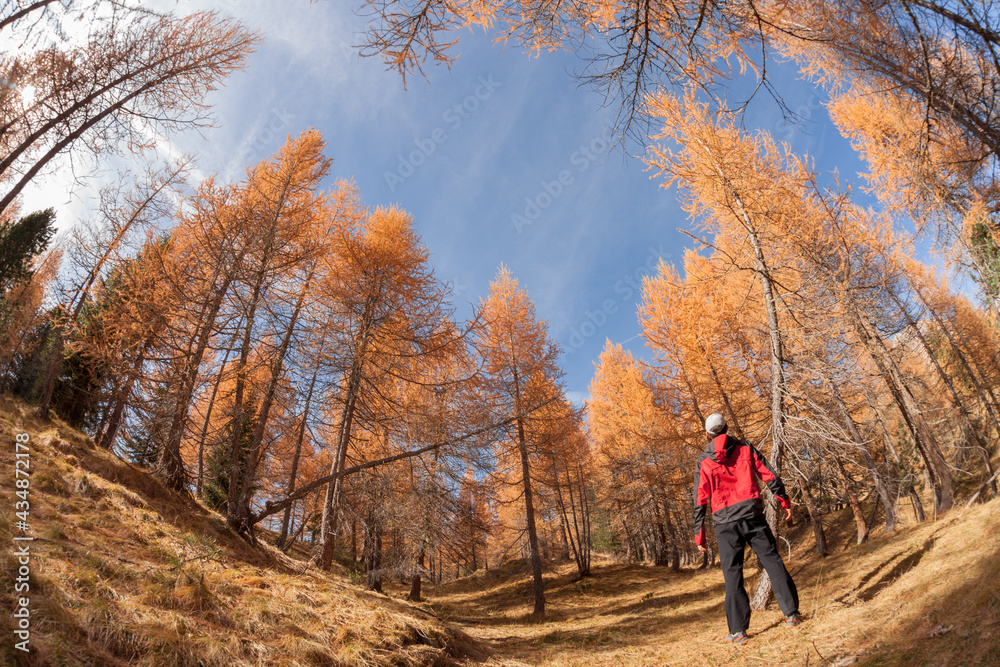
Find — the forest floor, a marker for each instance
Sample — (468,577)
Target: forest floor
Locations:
(927,595)
(124,572)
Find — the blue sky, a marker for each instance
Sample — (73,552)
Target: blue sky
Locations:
(501,159)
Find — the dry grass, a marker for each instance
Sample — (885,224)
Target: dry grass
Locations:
(929,595)
(128,573)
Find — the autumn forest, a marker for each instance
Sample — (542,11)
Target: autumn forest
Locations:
(282,350)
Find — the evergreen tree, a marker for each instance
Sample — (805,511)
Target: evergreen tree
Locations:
(20,243)
(988,265)
(220,465)
(145,444)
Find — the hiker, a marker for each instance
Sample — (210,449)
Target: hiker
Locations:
(727,472)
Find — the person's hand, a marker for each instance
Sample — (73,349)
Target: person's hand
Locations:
(702,548)
(788,514)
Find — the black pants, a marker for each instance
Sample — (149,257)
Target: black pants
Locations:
(732,538)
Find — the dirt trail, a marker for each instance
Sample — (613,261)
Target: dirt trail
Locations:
(622,615)
(928,596)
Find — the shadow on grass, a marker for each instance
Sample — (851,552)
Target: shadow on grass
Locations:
(630,632)
(502,604)
(960,623)
(587,614)
(713,593)
(903,566)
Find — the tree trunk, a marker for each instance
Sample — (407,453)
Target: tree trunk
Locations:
(955,397)
(817,524)
(106,438)
(53,364)
(373,554)
(290,541)
(581,550)
(888,504)
(331,501)
(171,467)
(414,595)
(239,514)
(584,541)
(200,479)
(298,453)
(763,592)
(672,550)
(529,508)
(234,509)
(918,507)
(937,468)
(981,392)
(852,500)
(630,552)
(569,541)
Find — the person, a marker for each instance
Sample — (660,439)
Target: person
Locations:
(727,473)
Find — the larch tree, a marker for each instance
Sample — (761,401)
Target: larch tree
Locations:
(441,405)
(303,434)
(130,307)
(198,266)
(285,228)
(22,313)
(944,56)
(387,309)
(642,457)
(709,359)
(847,247)
(942,182)
(568,474)
(231,238)
(127,212)
(936,319)
(135,75)
(520,374)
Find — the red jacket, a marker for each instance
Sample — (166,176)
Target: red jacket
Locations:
(727,473)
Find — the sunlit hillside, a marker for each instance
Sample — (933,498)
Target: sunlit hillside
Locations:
(127,573)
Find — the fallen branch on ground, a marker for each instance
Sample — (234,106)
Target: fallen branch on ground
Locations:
(981,489)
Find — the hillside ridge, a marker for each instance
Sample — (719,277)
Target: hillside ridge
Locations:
(126,572)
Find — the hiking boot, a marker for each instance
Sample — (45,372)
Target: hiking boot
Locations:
(792,620)
(737,637)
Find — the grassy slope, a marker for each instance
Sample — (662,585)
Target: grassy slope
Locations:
(930,595)
(126,572)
